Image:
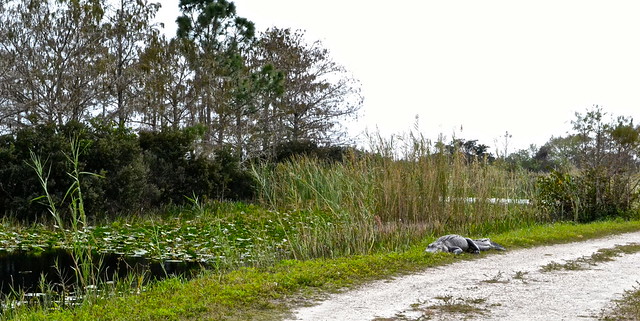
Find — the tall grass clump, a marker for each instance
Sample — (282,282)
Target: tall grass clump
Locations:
(402,189)
(86,268)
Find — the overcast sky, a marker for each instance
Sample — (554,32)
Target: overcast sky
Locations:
(474,68)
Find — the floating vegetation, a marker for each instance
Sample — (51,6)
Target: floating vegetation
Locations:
(205,239)
(220,238)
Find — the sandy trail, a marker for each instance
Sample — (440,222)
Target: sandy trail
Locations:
(508,286)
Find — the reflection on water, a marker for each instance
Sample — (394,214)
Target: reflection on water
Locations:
(21,271)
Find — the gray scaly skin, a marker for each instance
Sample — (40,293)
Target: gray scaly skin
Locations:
(457,244)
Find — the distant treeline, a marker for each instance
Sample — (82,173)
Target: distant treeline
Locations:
(67,61)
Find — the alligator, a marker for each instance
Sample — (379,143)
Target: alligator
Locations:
(457,244)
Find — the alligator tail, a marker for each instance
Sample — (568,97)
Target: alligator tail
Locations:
(497,246)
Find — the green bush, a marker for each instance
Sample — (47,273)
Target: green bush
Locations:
(605,164)
(557,196)
(590,195)
(18,181)
(115,154)
(167,154)
(605,194)
(136,172)
(289,150)
(177,171)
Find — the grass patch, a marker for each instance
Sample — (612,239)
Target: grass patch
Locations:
(464,308)
(266,293)
(562,233)
(572,265)
(626,308)
(520,275)
(459,306)
(498,278)
(602,255)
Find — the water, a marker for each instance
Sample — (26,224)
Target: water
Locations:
(493,200)
(22,271)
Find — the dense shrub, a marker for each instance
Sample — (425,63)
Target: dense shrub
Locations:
(177,171)
(232,181)
(286,151)
(115,154)
(168,154)
(19,184)
(557,196)
(604,170)
(136,172)
(585,196)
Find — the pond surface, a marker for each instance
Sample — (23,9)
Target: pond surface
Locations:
(23,271)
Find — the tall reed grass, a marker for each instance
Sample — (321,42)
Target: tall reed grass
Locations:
(86,267)
(402,190)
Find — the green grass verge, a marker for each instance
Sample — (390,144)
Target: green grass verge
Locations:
(266,293)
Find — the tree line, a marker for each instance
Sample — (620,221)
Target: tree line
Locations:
(592,172)
(67,61)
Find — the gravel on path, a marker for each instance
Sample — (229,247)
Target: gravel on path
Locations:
(509,286)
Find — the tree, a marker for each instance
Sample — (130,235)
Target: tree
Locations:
(604,179)
(7,113)
(57,58)
(591,131)
(317,95)
(73,60)
(523,159)
(560,153)
(128,30)
(250,96)
(470,149)
(168,96)
(217,37)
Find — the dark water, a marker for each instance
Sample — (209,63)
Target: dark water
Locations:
(21,271)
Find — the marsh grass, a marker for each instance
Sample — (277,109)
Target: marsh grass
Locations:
(403,190)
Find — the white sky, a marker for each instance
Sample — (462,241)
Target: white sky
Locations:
(484,66)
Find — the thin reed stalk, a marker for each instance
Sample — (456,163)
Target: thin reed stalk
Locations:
(86,269)
(38,166)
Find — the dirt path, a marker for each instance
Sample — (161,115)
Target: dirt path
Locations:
(510,286)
